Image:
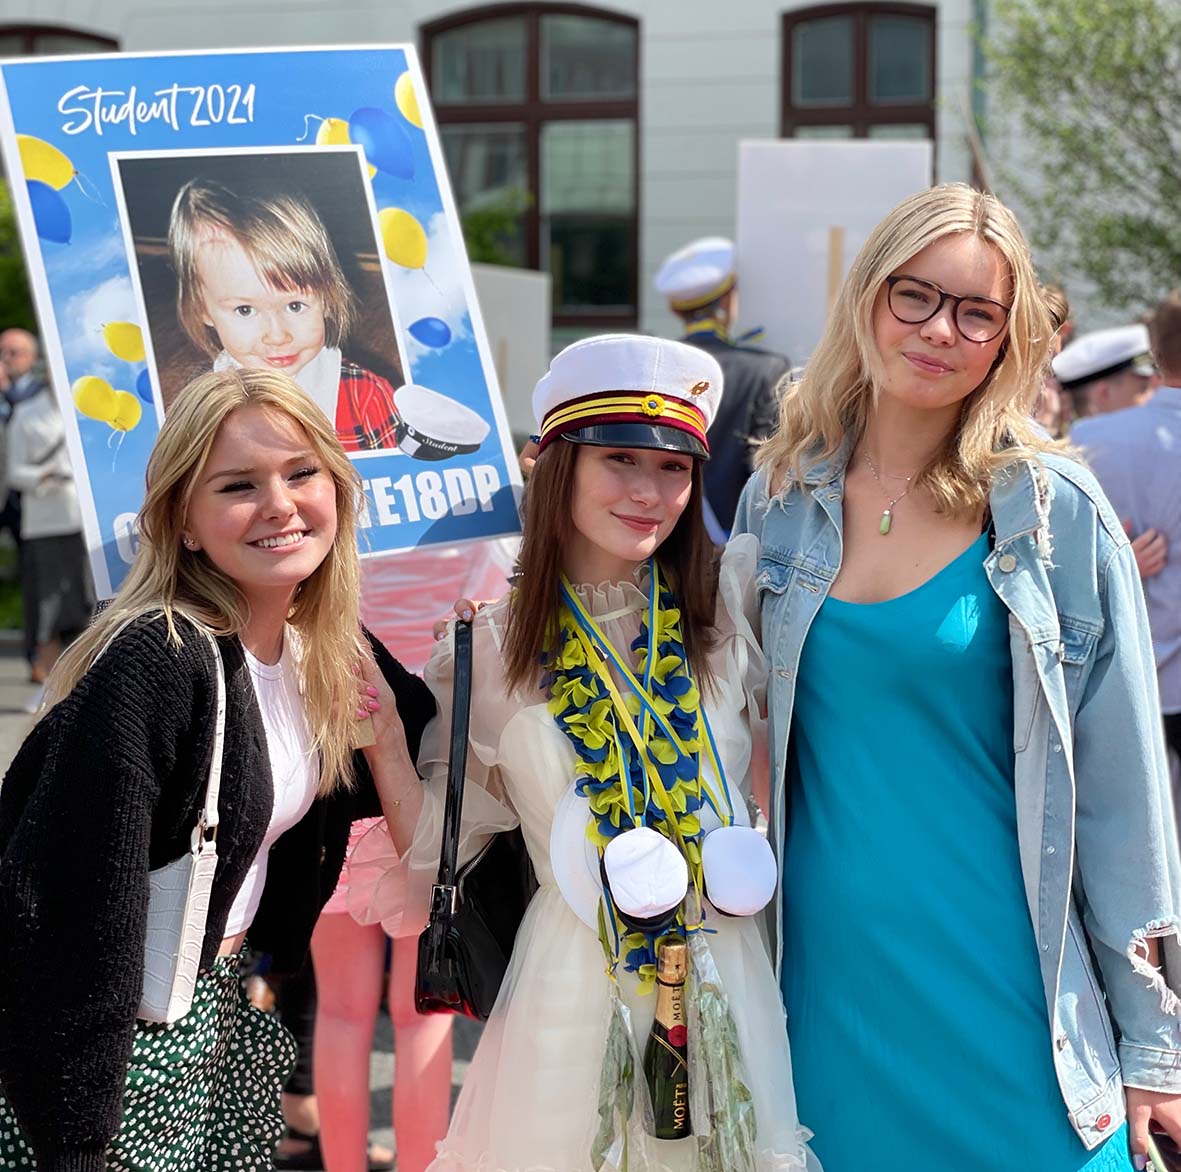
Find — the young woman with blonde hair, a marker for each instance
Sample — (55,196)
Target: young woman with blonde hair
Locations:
(247,533)
(980,888)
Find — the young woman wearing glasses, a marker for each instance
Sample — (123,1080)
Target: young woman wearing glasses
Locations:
(980,888)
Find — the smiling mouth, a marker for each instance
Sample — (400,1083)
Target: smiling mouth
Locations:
(283,541)
(284,360)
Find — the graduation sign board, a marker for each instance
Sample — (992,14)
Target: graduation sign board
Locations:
(280,209)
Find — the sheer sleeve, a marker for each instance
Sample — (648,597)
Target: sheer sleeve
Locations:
(740,655)
(395,891)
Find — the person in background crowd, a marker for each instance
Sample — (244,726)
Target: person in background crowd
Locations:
(700,283)
(1136,454)
(247,534)
(22,380)
(969,776)
(55,576)
(1106,370)
(1049,408)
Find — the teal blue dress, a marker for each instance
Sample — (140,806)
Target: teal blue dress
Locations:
(915,1005)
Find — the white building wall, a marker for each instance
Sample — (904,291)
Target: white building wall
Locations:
(709,77)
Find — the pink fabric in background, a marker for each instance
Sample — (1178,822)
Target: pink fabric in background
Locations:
(402,596)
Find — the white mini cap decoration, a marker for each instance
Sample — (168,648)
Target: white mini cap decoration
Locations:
(1102,353)
(646,874)
(698,273)
(432,426)
(738,868)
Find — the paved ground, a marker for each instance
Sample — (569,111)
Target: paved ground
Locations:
(16,692)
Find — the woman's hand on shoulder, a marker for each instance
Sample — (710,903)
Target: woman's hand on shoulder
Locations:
(1145,1107)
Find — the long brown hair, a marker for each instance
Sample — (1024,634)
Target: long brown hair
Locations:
(687,564)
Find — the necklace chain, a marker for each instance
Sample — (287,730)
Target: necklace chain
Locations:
(887,518)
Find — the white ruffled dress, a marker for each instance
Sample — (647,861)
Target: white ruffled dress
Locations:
(529,1100)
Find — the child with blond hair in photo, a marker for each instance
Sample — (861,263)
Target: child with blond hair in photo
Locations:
(259,286)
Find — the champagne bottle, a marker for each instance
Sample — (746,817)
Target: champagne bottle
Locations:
(666,1055)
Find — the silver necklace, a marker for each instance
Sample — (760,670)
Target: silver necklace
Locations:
(888,512)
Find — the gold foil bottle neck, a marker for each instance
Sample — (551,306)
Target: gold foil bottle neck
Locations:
(672,961)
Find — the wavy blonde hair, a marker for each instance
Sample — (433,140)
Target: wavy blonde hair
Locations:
(833,400)
(167,579)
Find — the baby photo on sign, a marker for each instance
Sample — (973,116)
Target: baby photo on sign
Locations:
(267,260)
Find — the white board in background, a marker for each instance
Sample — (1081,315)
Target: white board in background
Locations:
(516,306)
(804,211)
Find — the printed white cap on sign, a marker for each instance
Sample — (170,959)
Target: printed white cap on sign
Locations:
(1102,353)
(698,273)
(433,426)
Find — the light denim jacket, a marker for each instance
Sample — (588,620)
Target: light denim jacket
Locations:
(1095,823)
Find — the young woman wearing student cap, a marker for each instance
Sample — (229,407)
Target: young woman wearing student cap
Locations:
(980,888)
(247,533)
(617,715)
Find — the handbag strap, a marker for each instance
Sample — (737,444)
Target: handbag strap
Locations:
(208,818)
(443,892)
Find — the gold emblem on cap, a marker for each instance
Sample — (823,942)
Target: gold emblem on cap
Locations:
(699,388)
(653,405)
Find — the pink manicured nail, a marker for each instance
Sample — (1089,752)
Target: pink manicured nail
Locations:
(362,713)
(371,690)
(374,705)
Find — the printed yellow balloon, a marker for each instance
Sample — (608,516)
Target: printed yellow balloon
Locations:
(125,340)
(43,162)
(94,397)
(403,237)
(335,132)
(407,100)
(127,411)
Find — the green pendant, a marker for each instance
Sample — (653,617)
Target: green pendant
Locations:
(884,524)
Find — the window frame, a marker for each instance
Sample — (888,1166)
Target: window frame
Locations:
(533,112)
(30,32)
(861,113)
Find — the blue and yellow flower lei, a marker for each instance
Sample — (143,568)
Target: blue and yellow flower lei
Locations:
(611,775)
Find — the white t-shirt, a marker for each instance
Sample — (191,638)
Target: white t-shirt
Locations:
(295,769)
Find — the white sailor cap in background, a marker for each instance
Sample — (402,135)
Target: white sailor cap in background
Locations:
(629,391)
(432,426)
(697,274)
(1103,353)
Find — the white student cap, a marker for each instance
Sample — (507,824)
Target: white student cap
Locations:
(738,869)
(698,274)
(1103,353)
(432,426)
(629,391)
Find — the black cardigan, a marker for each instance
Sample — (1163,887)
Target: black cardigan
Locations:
(106,787)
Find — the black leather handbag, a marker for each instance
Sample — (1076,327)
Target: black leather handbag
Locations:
(464,951)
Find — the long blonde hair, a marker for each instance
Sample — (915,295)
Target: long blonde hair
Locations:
(839,388)
(167,579)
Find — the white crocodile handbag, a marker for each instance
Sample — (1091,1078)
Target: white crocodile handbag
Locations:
(178,902)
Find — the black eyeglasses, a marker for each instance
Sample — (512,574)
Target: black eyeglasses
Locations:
(978,319)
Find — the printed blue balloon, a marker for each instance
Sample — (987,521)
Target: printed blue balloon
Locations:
(50,213)
(431,331)
(386,142)
(143,385)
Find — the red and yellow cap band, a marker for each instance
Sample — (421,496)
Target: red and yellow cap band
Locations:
(648,407)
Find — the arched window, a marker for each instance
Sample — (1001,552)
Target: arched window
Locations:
(537,110)
(859,71)
(47,40)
